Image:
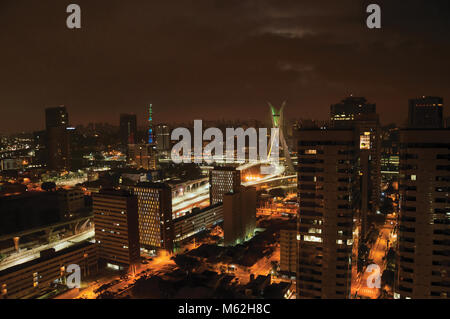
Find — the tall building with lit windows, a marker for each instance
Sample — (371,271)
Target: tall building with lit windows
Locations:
(116,227)
(288,252)
(223,180)
(367,132)
(155,215)
(426,112)
(326,190)
(239,215)
(349,109)
(357,114)
(423,259)
(162,132)
(142,156)
(57,138)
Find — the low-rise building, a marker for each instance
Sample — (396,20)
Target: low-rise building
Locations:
(198,221)
(32,278)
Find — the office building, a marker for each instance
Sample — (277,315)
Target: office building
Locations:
(222,180)
(116,227)
(142,156)
(288,252)
(162,132)
(423,260)
(197,221)
(326,178)
(368,155)
(71,201)
(33,278)
(39,146)
(239,215)
(128,129)
(357,114)
(57,138)
(10,164)
(22,211)
(155,215)
(390,149)
(426,112)
(349,109)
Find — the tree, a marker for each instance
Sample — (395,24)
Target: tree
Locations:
(186,262)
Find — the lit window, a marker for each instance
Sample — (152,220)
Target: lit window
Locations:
(364,141)
(313,239)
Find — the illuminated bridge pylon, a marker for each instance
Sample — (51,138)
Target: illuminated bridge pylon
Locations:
(277,116)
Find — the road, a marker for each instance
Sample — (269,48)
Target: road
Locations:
(377,254)
(197,198)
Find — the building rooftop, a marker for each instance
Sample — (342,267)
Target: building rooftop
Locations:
(153,185)
(197,212)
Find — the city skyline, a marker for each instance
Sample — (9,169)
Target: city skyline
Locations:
(233,152)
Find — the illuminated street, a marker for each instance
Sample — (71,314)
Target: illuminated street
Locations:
(377,254)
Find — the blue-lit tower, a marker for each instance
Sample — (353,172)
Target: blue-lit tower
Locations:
(150,125)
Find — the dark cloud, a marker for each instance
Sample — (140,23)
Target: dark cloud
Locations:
(216,58)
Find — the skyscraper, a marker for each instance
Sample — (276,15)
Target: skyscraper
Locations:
(288,251)
(239,215)
(57,138)
(142,156)
(222,180)
(162,132)
(426,112)
(128,129)
(155,215)
(423,259)
(367,133)
(326,186)
(116,227)
(357,114)
(56,116)
(349,109)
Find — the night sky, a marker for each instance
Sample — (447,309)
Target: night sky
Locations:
(213,59)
